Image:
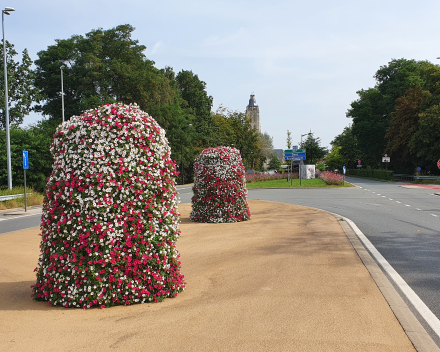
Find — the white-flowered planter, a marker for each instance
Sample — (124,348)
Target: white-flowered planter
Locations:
(220,193)
(110,216)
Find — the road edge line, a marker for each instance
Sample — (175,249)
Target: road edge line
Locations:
(413,329)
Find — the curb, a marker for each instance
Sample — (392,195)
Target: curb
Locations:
(418,336)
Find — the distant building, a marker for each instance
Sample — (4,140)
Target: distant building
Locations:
(253,112)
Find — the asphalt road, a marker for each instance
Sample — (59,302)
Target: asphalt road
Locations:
(402,223)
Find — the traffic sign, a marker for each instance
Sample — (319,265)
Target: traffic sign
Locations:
(294,158)
(25,160)
(438,164)
(301,151)
(294,154)
(343,170)
(293,150)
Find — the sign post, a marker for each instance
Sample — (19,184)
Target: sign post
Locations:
(25,167)
(386,159)
(343,177)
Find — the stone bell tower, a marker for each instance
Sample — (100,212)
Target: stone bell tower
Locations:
(253,112)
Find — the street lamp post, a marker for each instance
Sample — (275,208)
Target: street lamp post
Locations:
(8,137)
(181,151)
(62,91)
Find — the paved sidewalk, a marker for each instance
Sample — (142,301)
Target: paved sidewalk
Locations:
(287,280)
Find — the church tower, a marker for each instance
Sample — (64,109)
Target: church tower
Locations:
(253,112)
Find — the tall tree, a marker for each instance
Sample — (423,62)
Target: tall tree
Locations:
(235,129)
(370,123)
(289,139)
(403,126)
(314,151)
(21,90)
(197,103)
(266,145)
(348,144)
(425,143)
(102,67)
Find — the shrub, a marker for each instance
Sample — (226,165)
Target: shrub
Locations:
(331,178)
(372,173)
(110,217)
(220,193)
(266,177)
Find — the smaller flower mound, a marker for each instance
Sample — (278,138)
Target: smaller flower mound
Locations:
(331,178)
(220,193)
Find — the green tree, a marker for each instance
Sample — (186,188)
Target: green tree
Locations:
(370,122)
(314,151)
(103,66)
(335,160)
(37,140)
(289,139)
(198,104)
(274,163)
(425,143)
(403,126)
(266,144)
(22,93)
(349,146)
(234,129)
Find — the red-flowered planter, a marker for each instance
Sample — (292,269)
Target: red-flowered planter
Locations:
(331,178)
(110,216)
(220,193)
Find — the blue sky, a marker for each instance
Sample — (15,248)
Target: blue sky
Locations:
(304,60)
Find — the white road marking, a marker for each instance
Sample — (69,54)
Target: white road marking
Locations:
(390,198)
(378,194)
(434,215)
(418,209)
(415,300)
(383,196)
(398,201)
(407,205)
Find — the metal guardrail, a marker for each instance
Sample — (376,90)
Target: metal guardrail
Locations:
(13,196)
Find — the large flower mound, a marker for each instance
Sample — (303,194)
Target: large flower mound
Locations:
(110,216)
(220,193)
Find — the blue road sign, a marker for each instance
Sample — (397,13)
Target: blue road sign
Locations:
(295,157)
(294,154)
(343,169)
(25,160)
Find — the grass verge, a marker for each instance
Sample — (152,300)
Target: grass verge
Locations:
(34,199)
(315,182)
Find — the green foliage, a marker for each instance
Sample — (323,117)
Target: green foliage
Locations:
(335,160)
(21,90)
(314,151)
(266,144)
(274,163)
(234,129)
(289,140)
(349,146)
(425,143)
(320,166)
(387,118)
(404,125)
(370,122)
(372,173)
(36,140)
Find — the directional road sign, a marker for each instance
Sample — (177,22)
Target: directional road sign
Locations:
(294,154)
(294,158)
(25,160)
